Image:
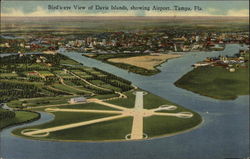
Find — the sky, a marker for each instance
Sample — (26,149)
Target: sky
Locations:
(41,8)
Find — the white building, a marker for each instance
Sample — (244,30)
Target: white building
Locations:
(197,38)
(77,100)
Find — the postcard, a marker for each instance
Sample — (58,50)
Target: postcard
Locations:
(142,79)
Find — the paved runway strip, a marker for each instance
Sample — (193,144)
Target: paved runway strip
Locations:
(68,126)
(138,113)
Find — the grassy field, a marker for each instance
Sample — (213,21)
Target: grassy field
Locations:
(104,85)
(91,132)
(88,106)
(20,117)
(168,125)
(150,101)
(48,93)
(216,82)
(68,62)
(8,75)
(39,101)
(114,129)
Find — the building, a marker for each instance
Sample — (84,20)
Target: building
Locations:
(77,100)
(232,70)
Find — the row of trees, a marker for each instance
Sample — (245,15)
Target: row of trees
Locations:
(111,79)
(11,90)
(6,114)
(91,88)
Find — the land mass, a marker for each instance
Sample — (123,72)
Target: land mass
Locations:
(116,119)
(144,64)
(85,101)
(148,62)
(218,79)
(10,118)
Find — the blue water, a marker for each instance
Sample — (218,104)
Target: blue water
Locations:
(29,53)
(11,37)
(223,134)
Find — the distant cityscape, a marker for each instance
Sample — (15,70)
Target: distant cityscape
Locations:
(124,42)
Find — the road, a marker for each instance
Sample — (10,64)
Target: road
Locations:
(68,126)
(138,113)
(83,111)
(137,126)
(81,90)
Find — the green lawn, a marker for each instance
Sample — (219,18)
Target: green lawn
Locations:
(38,84)
(108,130)
(91,132)
(80,73)
(21,117)
(104,85)
(39,101)
(105,96)
(67,88)
(168,124)
(9,75)
(111,130)
(150,101)
(115,129)
(87,106)
(68,62)
(216,82)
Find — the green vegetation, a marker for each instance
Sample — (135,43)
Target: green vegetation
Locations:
(23,77)
(100,131)
(35,87)
(90,106)
(168,125)
(68,62)
(114,129)
(6,114)
(26,83)
(17,117)
(216,82)
(150,101)
(135,69)
(165,125)
(32,102)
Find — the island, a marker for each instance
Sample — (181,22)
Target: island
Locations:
(221,77)
(144,64)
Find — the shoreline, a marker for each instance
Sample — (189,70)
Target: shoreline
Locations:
(171,134)
(109,141)
(148,65)
(135,69)
(213,97)
(23,122)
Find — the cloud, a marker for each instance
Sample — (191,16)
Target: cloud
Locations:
(41,12)
(208,12)
(241,13)
(177,13)
(212,10)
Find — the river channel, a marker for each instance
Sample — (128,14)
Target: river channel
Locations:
(223,134)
